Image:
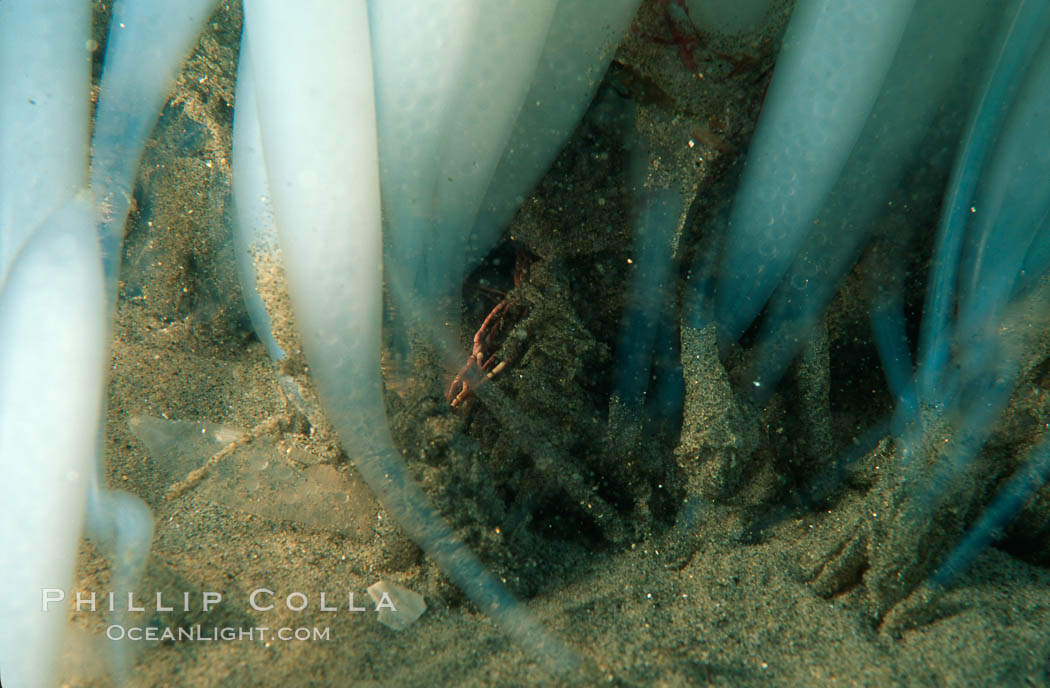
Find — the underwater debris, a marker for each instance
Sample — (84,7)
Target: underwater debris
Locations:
(398,606)
(718,439)
(257,476)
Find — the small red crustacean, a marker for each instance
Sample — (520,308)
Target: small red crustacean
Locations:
(480,367)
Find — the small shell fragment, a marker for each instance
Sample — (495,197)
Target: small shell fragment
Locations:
(398,606)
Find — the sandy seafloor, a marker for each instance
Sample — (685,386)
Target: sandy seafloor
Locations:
(727,613)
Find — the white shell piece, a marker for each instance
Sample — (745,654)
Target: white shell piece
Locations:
(398,606)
